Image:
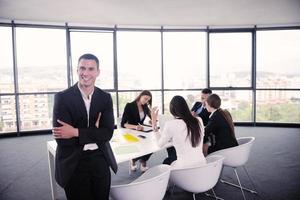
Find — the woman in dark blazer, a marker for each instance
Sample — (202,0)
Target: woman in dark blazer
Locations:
(219,131)
(133,117)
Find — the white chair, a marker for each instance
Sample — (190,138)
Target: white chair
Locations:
(199,179)
(236,157)
(151,185)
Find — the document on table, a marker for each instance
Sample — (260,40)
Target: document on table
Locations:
(126,149)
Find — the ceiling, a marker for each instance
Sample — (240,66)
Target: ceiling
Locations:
(187,13)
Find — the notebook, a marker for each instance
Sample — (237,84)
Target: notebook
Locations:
(130,138)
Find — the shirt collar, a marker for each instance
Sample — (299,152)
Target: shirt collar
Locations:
(87,97)
(212,113)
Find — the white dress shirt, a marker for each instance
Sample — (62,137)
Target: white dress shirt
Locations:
(187,155)
(87,102)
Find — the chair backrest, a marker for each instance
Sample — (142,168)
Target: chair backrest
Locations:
(162,119)
(151,185)
(198,179)
(236,156)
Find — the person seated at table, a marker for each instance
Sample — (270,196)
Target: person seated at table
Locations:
(219,131)
(185,132)
(199,108)
(133,117)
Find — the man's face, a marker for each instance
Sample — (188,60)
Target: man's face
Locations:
(87,72)
(204,98)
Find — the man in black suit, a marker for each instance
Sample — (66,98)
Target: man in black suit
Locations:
(82,122)
(199,107)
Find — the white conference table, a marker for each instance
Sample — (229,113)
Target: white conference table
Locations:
(123,149)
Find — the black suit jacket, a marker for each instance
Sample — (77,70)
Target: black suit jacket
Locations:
(219,130)
(204,114)
(131,114)
(70,108)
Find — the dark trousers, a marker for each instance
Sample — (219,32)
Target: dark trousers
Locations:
(143,158)
(172,156)
(91,179)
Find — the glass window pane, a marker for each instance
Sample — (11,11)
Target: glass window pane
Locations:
(190,96)
(230,59)
(139,60)
(101,45)
(238,103)
(184,60)
(114,99)
(6,61)
(7,114)
(36,111)
(127,97)
(278,106)
(278,60)
(41,59)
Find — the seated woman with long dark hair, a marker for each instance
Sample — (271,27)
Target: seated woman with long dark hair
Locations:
(133,117)
(219,131)
(186,134)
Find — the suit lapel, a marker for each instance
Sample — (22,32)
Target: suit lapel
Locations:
(136,111)
(93,111)
(80,104)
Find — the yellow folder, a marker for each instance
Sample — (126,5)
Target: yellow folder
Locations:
(130,138)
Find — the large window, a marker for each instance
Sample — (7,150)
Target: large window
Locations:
(238,103)
(6,61)
(41,59)
(7,102)
(36,112)
(278,60)
(167,62)
(184,60)
(278,65)
(8,114)
(101,45)
(139,60)
(190,97)
(230,57)
(278,106)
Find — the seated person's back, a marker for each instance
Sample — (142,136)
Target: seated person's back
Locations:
(220,129)
(187,141)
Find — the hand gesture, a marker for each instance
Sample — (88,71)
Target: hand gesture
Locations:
(154,116)
(98,120)
(65,131)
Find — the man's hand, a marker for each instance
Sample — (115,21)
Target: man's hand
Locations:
(65,131)
(98,120)
(193,113)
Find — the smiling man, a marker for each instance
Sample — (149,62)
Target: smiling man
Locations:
(82,122)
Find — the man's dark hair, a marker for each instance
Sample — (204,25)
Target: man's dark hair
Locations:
(89,56)
(206,91)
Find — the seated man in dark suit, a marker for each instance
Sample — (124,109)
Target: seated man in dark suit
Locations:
(199,107)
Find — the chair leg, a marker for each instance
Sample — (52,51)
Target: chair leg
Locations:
(238,186)
(172,191)
(194,196)
(214,196)
(237,176)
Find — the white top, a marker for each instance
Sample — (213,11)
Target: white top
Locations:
(187,156)
(87,103)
